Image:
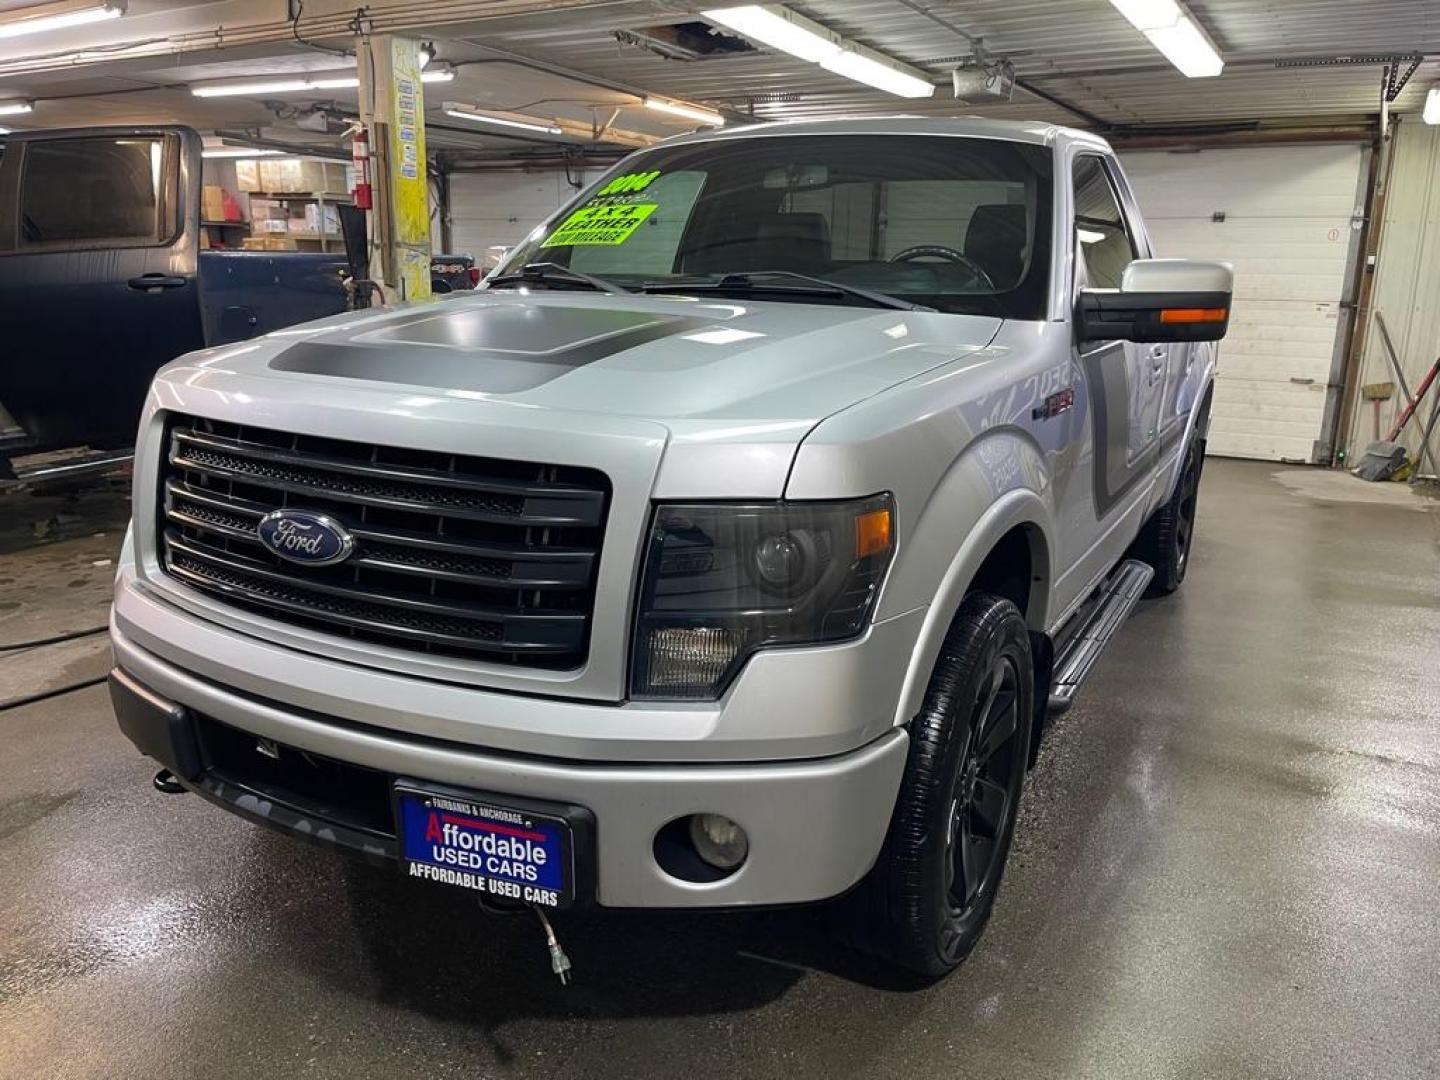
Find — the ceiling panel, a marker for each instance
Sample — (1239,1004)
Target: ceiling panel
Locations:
(1071,54)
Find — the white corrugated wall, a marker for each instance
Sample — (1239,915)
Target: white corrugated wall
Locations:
(1288,226)
(1406,290)
(501,206)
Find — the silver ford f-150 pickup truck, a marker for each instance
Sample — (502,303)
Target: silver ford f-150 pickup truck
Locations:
(729,547)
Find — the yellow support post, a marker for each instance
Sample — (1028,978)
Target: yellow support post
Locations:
(392,106)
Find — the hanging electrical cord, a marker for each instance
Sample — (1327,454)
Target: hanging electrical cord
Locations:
(55,640)
(295,29)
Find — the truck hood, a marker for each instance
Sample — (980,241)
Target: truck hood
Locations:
(661,358)
(730,388)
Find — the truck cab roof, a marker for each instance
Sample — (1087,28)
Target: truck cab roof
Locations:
(975,127)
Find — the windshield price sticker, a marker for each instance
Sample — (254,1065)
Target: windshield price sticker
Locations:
(609,218)
(629,183)
(606,225)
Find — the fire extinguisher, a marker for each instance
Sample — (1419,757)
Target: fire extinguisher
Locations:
(361,160)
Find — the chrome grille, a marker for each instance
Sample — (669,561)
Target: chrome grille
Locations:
(454,555)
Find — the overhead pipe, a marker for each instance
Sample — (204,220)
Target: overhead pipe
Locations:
(394,17)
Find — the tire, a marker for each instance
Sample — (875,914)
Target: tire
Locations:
(1165,541)
(919,908)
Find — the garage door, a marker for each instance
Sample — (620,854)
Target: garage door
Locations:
(1284,216)
(499,208)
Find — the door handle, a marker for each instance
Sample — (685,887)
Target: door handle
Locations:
(150,282)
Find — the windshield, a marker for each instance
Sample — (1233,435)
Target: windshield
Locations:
(958,224)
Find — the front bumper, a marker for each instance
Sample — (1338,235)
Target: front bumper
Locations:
(815,826)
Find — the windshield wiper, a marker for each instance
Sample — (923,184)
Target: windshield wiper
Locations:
(542,273)
(750,281)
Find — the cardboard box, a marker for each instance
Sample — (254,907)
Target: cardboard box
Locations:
(280,243)
(253,243)
(272,175)
(247,174)
(322,218)
(212,200)
(296,176)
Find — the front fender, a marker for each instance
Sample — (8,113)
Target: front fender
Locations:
(958,450)
(933,556)
(1193,401)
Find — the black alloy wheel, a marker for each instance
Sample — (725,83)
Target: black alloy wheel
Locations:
(1165,541)
(1188,497)
(987,787)
(925,903)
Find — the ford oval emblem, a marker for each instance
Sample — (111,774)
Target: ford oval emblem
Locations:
(305,537)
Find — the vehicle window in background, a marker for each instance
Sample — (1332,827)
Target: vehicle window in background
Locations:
(93,190)
(1101,237)
(958,224)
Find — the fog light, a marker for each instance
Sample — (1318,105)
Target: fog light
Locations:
(719,841)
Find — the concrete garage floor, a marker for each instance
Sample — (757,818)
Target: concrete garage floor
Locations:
(1226,867)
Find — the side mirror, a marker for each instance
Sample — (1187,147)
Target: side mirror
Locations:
(1160,300)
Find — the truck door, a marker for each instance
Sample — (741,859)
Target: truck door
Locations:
(1119,388)
(98,261)
(1126,380)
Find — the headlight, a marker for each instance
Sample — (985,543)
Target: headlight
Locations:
(723,580)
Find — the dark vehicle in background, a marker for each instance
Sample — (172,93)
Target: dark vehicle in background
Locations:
(103,280)
(451,272)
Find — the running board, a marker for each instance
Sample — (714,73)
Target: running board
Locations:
(1117,598)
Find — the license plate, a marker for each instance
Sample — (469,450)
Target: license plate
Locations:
(504,852)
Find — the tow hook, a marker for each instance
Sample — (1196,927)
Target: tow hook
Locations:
(166,782)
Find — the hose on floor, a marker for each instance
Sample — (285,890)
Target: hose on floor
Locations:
(55,640)
(31,699)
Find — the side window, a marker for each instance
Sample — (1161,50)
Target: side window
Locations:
(1101,238)
(102,191)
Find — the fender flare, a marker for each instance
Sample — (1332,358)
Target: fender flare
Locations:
(1206,385)
(1019,507)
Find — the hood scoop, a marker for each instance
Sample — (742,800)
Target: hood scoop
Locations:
(490,349)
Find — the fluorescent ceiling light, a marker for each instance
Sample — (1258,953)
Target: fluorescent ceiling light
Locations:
(236,152)
(1188,47)
(689,112)
(15,108)
(1177,35)
(1431,112)
(273,86)
(59,16)
(295,86)
(778,27)
(1149,14)
(878,73)
(483,118)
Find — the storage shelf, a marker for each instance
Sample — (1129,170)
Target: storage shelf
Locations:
(300,196)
